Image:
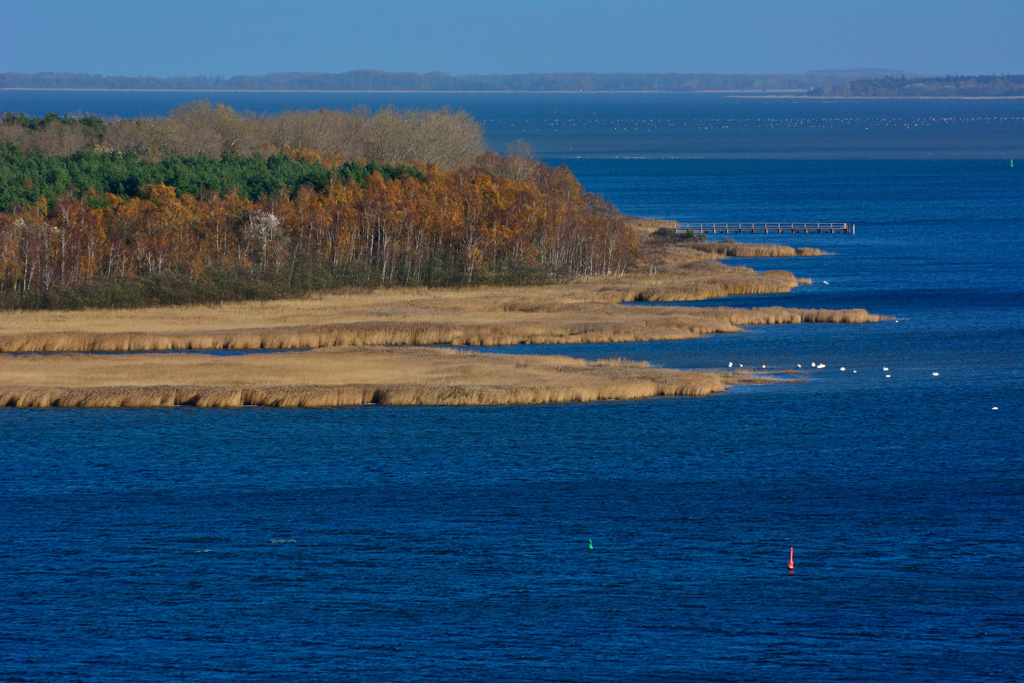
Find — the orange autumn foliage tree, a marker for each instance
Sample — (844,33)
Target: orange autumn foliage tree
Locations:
(453,227)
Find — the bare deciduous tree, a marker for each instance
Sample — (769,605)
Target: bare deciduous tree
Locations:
(264,231)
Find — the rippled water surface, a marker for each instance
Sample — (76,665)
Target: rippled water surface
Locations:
(632,125)
(452,543)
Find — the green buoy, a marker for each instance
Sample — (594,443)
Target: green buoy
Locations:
(590,544)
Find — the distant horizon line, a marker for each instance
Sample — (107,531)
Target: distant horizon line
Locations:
(438,73)
(485,92)
(866,81)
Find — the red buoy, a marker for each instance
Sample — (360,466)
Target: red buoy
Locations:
(790,558)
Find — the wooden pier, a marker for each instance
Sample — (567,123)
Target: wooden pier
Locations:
(766,228)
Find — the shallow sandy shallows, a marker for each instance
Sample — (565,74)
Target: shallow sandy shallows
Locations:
(345,372)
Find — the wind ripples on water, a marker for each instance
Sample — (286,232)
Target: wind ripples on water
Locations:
(454,543)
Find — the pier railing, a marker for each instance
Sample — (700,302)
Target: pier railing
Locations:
(767,228)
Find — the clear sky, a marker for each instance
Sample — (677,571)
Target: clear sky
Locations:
(232,37)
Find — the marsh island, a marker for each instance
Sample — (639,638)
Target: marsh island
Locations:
(347,250)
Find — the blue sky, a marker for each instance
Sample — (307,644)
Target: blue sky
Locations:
(231,37)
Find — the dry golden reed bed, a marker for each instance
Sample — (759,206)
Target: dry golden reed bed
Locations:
(355,333)
(339,377)
(750,250)
(562,314)
(692,251)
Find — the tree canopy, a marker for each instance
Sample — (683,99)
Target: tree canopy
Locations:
(94,174)
(450,139)
(169,233)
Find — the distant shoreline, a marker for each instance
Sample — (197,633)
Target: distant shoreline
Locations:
(424,92)
(745,94)
(884,97)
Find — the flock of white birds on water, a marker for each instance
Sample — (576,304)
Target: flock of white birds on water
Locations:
(821,366)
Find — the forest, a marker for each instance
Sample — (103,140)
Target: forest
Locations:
(946,86)
(210,205)
(443,137)
(96,174)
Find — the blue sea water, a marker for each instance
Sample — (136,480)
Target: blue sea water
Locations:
(427,543)
(602,125)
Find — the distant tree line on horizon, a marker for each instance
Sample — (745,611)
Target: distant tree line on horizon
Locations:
(370,80)
(103,227)
(945,86)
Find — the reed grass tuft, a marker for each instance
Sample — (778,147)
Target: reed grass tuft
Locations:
(752,250)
